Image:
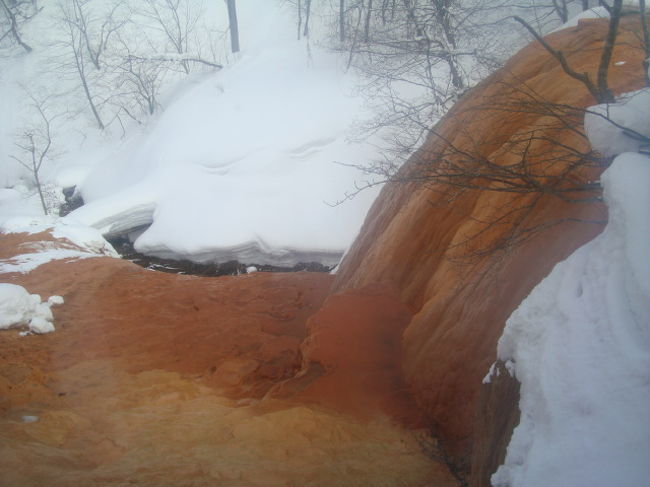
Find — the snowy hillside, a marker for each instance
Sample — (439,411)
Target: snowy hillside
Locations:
(241,166)
(247,162)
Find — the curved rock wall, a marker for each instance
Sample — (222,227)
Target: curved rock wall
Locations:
(434,242)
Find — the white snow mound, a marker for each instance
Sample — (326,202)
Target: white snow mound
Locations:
(19,308)
(580,344)
(244,165)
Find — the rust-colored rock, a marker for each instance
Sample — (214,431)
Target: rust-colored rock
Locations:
(352,357)
(497,415)
(239,334)
(427,239)
(156,379)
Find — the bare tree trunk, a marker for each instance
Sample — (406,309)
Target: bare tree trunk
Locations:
(615,17)
(234,26)
(585,5)
(366,30)
(305,32)
(37,180)
(646,42)
(14,27)
(561,10)
(38,141)
(299,30)
(81,70)
(355,36)
(342,20)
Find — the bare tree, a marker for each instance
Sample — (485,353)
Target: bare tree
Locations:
(94,32)
(35,143)
(303,13)
(549,158)
(645,40)
(599,89)
(305,32)
(141,81)
(75,42)
(233,24)
(342,32)
(15,13)
(176,20)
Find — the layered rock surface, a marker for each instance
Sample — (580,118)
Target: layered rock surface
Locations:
(157,379)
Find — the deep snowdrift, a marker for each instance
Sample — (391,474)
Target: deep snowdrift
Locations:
(242,163)
(242,167)
(580,346)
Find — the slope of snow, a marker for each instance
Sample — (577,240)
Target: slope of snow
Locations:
(242,166)
(580,347)
(238,164)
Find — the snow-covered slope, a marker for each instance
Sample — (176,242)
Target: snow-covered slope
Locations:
(580,346)
(242,166)
(244,163)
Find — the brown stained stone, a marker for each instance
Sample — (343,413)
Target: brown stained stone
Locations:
(497,415)
(352,357)
(191,325)
(415,237)
(157,379)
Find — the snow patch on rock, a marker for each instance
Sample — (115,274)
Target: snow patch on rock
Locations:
(74,241)
(20,308)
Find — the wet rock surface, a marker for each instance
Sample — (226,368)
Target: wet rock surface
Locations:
(165,380)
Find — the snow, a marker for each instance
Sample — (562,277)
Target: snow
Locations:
(242,166)
(240,163)
(18,308)
(580,347)
(592,13)
(78,242)
(604,123)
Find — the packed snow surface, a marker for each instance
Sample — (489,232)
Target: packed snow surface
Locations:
(18,308)
(580,347)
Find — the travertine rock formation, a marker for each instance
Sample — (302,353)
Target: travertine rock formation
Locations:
(157,379)
(433,242)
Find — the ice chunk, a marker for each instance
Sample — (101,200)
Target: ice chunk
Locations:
(19,308)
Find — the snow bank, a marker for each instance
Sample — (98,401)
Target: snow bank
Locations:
(604,123)
(243,166)
(19,308)
(80,242)
(580,345)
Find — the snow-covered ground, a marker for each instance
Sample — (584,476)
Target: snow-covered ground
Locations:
(580,342)
(242,166)
(244,163)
